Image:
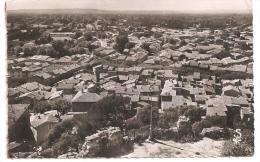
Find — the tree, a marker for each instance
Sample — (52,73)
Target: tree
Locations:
(121,42)
(66,142)
(58,45)
(27,52)
(167,118)
(198,126)
(60,105)
(78,34)
(194,114)
(111,109)
(88,36)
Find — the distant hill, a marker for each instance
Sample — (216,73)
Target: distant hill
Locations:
(96,11)
(82,11)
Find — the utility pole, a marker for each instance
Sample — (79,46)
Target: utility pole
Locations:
(151,125)
(151,119)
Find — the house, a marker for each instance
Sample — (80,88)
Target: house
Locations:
(62,36)
(200,99)
(43,78)
(172,102)
(83,101)
(236,101)
(196,76)
(216,107)
(147,73)
(67,88)
(31,97)
(42,124)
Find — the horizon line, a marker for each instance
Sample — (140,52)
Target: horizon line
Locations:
(119,10)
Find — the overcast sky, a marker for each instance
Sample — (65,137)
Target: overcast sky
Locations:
(172,5)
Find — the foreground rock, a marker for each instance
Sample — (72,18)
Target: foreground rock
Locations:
(215,133)
(105,143)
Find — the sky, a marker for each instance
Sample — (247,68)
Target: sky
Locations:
(169,5)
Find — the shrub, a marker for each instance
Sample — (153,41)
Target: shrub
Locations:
(133,123)
(48,153)
(121,42)
(60,105)
(194,114)
(244,148)
(219,121)
(111,109)
(167,118)
(140,134)
(65,142)
(59,129)
(197,128)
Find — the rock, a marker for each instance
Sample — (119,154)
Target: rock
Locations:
(102,142)
(215,133)
(69,155)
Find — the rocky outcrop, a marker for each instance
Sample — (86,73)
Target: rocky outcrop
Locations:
(102,143)
(215,133)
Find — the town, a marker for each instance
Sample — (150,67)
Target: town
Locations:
(104,84)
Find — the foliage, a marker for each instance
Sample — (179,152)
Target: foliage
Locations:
(140,134)
(59,129)
(60,105)
(112,109)
(65,127)
(219,121)
(198,126)
(66,142)
(194,114)
(167,118)
(121,42)
(61,48)
(48,153)
(88,36)
(133,123)
(243,148)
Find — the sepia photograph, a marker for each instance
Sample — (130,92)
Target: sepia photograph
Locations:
(129,79)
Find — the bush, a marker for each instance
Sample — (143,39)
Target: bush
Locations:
(140,134)
(65,142)
(166,134)
(121,42)
(48,153)
(198,126)
(168,118)
(111,109)
(60,105)
(144,115)
(59,129)
(133,123)
(66,126)
(244,148)
(219,121)
(194,114)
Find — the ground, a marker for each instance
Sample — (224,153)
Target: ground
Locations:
(203,148)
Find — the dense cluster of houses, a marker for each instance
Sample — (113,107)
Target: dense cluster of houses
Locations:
(144,75)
